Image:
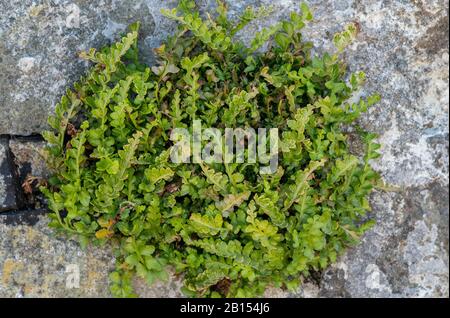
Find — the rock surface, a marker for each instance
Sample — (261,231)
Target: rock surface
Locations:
(403,48)
(28,157)
(40,42)
(8,193)
(31,170)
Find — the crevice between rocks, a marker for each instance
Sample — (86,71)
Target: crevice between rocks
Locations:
(24,211)
(20,194)
(22,217)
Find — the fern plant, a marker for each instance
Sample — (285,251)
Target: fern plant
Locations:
(230,230)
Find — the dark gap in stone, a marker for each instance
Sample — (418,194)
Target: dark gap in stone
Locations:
(21,200)
(315,277)
(22,217)
(24,201)
(10,192)
(32,137)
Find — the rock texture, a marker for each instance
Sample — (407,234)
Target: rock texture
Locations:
(40,42)
(8,191)
(403,48)
(28,157)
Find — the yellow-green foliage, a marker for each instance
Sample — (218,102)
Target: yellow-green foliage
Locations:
(229,229)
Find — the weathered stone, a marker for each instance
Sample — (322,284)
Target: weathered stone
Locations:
(405,255)
(40,42)
(403,48)
(28,157)
(7,183)
(35,263)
